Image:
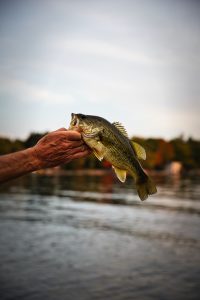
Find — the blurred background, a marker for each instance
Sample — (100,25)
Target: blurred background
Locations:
(75,232)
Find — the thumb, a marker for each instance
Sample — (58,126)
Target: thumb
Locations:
(61,129)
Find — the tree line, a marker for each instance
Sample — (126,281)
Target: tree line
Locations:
(159,152)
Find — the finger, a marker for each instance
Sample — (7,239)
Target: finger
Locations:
(80,154)
(73,135)
(81,148)
(61,129)
(72,145)
(67,158)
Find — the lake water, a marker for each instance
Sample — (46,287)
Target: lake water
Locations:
(90,237)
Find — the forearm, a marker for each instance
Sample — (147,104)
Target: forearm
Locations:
(18,164)
(55,148)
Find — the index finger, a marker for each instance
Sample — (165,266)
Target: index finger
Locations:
(73,135)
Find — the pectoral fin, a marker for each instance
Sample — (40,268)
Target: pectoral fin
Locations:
(98,154)
(139,150)
(121,174)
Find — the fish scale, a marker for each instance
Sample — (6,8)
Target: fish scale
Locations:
(111,142)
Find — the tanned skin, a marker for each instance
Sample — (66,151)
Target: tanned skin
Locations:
(56,148)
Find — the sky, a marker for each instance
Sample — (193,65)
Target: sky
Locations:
(136,62)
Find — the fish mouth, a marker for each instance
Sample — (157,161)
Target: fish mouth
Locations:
(74,124)
(78,124)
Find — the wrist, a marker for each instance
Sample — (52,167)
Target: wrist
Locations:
(35,162)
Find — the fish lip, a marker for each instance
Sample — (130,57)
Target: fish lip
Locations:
(73,115)
(74,120)
(77,122)
(77,125)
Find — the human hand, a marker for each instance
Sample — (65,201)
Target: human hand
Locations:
(59,147)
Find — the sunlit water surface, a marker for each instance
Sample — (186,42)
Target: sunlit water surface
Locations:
(89,237)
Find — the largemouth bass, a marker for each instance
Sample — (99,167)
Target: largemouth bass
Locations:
(110,142)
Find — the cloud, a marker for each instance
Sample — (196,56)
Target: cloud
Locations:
(23,91)
(132,61)
(108,50)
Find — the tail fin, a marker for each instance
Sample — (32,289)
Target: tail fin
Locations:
(145,188)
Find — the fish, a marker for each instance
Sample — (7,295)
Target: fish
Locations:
(110,141)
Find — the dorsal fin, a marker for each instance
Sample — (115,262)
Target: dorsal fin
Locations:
(139,150)
(121,128)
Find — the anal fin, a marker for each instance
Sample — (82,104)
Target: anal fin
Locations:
(121,174)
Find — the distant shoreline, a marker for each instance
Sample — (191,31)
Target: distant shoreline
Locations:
(78,172)
(100,172)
